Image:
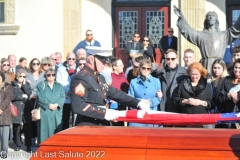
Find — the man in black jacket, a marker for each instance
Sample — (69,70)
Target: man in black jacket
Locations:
(168,42)
(170,77)
(134,46)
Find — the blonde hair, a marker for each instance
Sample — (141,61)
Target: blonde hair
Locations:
(136,55)
(221,63)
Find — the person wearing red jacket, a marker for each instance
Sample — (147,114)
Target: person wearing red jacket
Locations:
(119,81)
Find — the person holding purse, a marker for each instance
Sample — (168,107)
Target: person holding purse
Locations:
(6,94)
(21,92)
(34,76)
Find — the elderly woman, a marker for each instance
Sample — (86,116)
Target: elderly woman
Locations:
(194,93)
(51,97)
(21,92)
(227,99)
(46,63)
(34,76)
(219,72)
(6,94)
(145,87)
(5,68)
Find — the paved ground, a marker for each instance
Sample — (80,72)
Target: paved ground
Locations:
(23,154)
(20,155)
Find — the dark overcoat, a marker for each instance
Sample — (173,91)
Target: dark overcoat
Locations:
(18,99)
(179,76)
(226,103)
(202,92)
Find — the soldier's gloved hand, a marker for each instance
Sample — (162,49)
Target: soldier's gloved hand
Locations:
(143,106)
(112,115)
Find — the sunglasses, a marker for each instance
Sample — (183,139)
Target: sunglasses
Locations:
(22,76)
(35,64)
(71,59)
(89,34)
(47,65)
(136,36)
(145,40)
(81,64)
(172,59)
(54,59)
(170,31)
(49,75)
(146,68)
(6,65)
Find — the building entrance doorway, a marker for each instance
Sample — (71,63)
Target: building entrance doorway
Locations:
(147,21)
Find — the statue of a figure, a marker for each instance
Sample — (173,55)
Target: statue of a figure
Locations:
(211,41)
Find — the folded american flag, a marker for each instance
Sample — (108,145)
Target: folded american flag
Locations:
(168,118)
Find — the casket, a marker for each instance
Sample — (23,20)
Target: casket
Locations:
(133,143)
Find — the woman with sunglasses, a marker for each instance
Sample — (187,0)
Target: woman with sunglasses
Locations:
(46,63)
(5,68)
(51,98)
(21,92)
(145,87)
(148,48)
(194,94)
(35,76)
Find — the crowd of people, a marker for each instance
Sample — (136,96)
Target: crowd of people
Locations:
(76,88)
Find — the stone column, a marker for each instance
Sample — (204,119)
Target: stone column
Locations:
(194,12)
(10,12)
(71,25)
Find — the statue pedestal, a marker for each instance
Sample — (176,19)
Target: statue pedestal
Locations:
(131,143)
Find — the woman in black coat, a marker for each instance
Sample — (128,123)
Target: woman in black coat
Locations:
(194,93)
(227,99)
(148,48)
(21,92)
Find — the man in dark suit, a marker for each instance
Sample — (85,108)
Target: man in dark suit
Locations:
(134,46)
(13,62)
(168,42)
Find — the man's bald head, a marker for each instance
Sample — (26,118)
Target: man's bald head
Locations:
(12,60)
(71,58)
(81,53)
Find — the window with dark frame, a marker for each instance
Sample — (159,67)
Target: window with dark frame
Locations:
(1,12)
(235,15)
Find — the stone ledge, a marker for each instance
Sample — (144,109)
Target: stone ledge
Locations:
(9,29)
